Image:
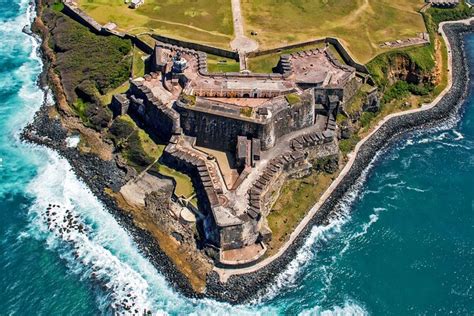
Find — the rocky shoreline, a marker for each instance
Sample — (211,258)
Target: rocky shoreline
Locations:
(245,287)
(99,174)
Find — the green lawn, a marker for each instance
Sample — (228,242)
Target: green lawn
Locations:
(184,186)
(138,65)
(222,64)
(204,21)
(361,24)
(265,63)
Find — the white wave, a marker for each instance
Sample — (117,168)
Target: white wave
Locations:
(455,145)
(97,249)
(318,233)
(459,136)
(303,256)
(349,309)
(416,189)
(62,214)
(373,218)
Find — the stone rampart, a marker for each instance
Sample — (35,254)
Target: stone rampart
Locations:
(346,56)
(218,131)
(281,48)
(449,104)
(198,47)
(162,119)
(81,17)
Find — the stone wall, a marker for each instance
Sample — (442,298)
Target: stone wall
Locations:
(81,17)
(281,48)
(346,56)
(198,47)
(163,120)
(295,117)
(220,132)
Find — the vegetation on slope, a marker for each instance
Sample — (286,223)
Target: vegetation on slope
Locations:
(425,67)
(299,195)
(89,65)
(296,197)
(141,151)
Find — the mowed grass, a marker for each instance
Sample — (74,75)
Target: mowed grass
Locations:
(266,63)
(203,21)
(361,24)
(222,64)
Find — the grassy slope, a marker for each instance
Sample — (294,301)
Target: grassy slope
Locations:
(296,198)
(204,21)
(361,24)
(140,151)
(82,55)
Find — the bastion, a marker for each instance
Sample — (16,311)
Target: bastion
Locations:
(268,127)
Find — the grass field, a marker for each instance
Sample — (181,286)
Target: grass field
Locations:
(204,21)
(266,63)
(296,198)
(361,24)
(222,64)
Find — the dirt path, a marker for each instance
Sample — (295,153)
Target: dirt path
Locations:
(241,43)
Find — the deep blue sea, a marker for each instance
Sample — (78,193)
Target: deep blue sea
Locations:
(403,244)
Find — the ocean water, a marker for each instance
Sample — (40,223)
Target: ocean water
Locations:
(402,244)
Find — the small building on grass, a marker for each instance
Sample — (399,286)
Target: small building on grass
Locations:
(134,4)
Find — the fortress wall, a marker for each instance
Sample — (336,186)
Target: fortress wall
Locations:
(219,132)
(140,44)
(211,231)
(83,18)
(279,49)
(348,59)
(198,47)
(163,120)
(295,117)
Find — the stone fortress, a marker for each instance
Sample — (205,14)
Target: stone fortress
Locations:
(268,128)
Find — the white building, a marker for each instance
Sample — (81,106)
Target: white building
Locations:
(136,3)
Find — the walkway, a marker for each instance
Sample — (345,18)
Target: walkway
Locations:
(224,274)
(241,43)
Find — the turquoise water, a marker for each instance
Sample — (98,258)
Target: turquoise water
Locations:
(403,243)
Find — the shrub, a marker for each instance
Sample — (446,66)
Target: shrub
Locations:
(292,98)
(347,145)
(246,111)
(134,151)
(366,118)
(84,56)
(120,130)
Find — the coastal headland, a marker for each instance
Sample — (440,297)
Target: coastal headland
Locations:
(52,126)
